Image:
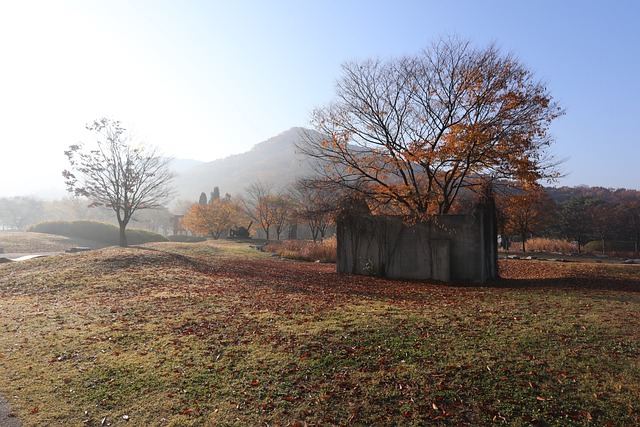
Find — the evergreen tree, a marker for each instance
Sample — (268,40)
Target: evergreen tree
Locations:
(203,199)
(215,195)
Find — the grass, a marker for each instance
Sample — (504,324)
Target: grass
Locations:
(213,333)
(24,242)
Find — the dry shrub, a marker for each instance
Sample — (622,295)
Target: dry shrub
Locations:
(305,250)
(539,244)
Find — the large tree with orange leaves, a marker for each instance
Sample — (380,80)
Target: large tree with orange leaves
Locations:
(411,133)
(214,218)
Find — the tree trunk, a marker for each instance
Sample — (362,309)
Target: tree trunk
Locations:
(314,231)
(123,236)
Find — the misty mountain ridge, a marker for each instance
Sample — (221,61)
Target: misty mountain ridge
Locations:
(273,162)
(179,166)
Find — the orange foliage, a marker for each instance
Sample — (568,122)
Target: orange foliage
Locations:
(212,219)
(413,132)
(524,211)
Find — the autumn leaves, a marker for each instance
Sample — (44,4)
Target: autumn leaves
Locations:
(413,133)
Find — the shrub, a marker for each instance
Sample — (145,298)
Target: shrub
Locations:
(305,250)
(96,231)
(136,236)
(611,246)
(551,245)
(181,238)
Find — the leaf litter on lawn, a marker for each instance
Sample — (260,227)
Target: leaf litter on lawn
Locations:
(215,334)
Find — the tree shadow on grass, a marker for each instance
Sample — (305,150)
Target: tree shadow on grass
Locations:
(289,276)
(569,283)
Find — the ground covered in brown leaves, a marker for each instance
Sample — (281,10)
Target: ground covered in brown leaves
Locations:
(216,334)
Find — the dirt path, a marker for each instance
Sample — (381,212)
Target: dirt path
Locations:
(7,419)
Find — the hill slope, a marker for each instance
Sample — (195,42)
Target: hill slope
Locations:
(273,161)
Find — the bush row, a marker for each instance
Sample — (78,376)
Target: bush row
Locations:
(96,231)
(181,238)
(542,244)
(610,246)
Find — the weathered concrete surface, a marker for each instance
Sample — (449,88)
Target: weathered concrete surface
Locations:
(457,248)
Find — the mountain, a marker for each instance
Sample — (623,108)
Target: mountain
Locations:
(179,166)
(272,162)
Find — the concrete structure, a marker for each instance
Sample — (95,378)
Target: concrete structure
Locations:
(452,248)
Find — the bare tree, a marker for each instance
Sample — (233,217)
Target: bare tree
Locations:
(157,220)
(316,204)
(181,206)
(19,211)
(75,208)
(118,173)
(257,204)
(411,133)
(281,207)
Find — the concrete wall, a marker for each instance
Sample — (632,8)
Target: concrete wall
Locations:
(453,248)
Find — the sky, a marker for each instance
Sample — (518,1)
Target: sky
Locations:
(206,79)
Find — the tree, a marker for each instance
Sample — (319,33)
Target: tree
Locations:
(257,205)
(215,195)
(203,199)
(574,219)
(181,206)
(18,212)
(629,205)
(525,212)
(73,207)
(411,133)
(281,207)
(214,218)
(601,216)
(118,173)
(157,220)
(316,204)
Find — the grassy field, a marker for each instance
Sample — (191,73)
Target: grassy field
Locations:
(24,242)
(214,333)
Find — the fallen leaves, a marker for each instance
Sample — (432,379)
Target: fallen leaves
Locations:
(180,332)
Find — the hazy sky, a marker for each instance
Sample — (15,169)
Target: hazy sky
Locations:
(206,79)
